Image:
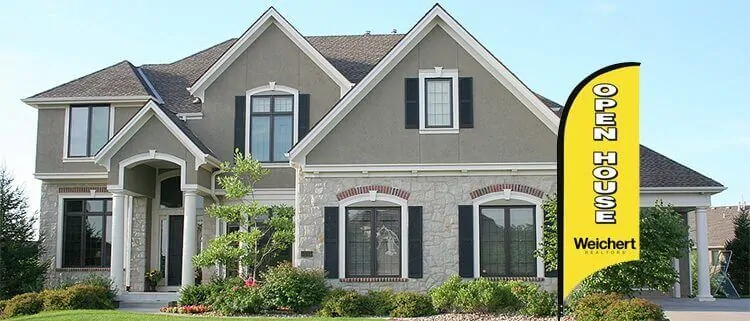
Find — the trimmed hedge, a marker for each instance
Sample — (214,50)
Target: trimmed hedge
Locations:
(299,290)
(412,304)
(613,307)
(23,304)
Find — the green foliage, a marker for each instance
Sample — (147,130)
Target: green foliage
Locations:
(239,300)
(484,296)
(379,302)
(262,236)
(77,297)
(634,310)
(412,304)
(548,248)
(21,267)
(593,307)
(197,294)
(534,300)
(298,289)
(739,267)
(343,303)
(444,296)
(23,304)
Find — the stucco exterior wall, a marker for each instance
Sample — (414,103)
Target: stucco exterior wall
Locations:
(439,197)
(373,132)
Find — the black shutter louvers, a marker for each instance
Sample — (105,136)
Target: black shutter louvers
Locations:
(239,124)
(411,102)
(465,241)
(415,242)
(303,119)
(465,102)
(331,242)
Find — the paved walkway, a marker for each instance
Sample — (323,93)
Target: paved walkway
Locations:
(693,310)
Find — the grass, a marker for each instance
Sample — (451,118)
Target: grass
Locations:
(114,315)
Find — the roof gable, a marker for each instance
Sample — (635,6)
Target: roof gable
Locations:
(436,17)
(202,153)
(271,16)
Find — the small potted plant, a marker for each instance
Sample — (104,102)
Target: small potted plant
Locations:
(153,278)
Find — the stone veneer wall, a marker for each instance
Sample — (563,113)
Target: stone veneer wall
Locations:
(139,237)
(439,197)
(48,212)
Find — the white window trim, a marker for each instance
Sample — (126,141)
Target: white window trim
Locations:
(508,195)
(362,199)
(438,72)
(66,140)
(270,89)
(61,197)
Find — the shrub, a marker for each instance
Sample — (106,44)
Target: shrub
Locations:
(297,289)
(634,310)
(378,302)
(534,300)
(240,300)
(485,296)
(444,296)
(23,304)
(343,303)
(593,307)
(196,294)
(412,304)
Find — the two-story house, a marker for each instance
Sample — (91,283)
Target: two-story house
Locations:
(407,157)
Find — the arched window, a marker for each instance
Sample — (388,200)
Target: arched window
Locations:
(171,193)
(271,122)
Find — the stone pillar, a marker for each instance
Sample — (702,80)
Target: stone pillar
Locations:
(138,248)
(189,238)
(701,236)
(118,241)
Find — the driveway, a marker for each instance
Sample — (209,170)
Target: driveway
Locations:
(693,310)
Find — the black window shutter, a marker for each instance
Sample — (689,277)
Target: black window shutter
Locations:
(466,102)
(415,242)
(239,124)
(411,98)
(465,241)
(331,247)
(303,120)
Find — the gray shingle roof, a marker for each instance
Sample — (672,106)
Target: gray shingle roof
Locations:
(720,221)
(353,55)
(120,79)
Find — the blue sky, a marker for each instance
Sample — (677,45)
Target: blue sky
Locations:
(695,77)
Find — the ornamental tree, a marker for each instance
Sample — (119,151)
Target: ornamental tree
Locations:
(263,232)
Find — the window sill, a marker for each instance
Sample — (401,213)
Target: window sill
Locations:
(78,159)
(373,279)
(515,278)
(430,131)
(89,269)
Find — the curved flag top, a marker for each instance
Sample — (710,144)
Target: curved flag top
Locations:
(598,175)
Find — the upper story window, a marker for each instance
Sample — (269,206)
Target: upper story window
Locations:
(438,108)
(271,126)
(88,129)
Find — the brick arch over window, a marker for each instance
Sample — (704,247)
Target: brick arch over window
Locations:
(359,190)
(496,188)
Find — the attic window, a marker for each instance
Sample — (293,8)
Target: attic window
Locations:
(438,103)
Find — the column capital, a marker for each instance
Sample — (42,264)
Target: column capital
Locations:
(190,192)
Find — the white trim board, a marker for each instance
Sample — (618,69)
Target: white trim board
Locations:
(436,17)
(134,124)
(41,102)
(70,176)
(448,169)
(271,16)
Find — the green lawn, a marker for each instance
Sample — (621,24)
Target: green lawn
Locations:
(114,315)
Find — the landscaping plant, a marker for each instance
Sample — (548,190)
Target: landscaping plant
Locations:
(343,303)
(739,267)
(297,289)
(264,231)
(412,304)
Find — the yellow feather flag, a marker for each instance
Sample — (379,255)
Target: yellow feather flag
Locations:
(598,175)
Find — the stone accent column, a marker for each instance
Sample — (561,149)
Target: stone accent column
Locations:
(189,238)
(118,243)
(701,236)
(138,249)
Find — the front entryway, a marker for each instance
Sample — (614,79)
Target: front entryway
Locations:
(174,250)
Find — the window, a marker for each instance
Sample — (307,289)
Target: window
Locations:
(438,103)
(507,240)
(87,232)
(438,97)
(171,193)
(373,242)
(88,130)
(271,127)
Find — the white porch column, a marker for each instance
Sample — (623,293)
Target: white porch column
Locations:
(701,236)
(676,290)
(118,241)
(189,238)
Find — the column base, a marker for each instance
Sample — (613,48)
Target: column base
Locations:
(705,298)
